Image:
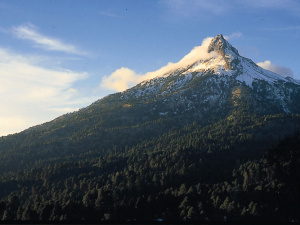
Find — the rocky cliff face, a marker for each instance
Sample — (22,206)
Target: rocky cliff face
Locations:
(225,50)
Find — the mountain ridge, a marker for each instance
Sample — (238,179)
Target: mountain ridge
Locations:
(224,62)
(196,92)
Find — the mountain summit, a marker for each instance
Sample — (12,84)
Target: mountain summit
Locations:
(220,45)
(223,48)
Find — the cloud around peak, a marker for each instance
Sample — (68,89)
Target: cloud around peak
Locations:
(124,78)
(120,80)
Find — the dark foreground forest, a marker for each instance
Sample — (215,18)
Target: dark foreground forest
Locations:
(217,172)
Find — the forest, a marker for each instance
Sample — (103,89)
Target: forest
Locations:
(224,171)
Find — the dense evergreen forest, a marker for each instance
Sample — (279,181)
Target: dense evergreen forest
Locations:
(225,170)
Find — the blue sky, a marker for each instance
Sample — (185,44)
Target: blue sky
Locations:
(55,55)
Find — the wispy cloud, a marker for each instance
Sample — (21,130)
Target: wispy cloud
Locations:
(124,78)
(280,70)
(109,14)
(31,33)
(233,35)
(31,94)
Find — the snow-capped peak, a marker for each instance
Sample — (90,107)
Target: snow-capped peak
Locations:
(211,73)
(216,56)
(227,61)
(225,58)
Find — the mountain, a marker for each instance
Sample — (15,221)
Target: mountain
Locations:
(224,73)
(203,90)
(212,121)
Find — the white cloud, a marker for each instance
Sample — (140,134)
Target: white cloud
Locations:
(125,78)
(30,32)
(120,80)
(31,94)
(233,35)
(280,70)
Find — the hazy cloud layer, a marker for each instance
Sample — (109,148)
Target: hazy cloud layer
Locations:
(124,78)
(31,94)
(30,32)
(290,6)
(109,14)
(206,8)
(280,70)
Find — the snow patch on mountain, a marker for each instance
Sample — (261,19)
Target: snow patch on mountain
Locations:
(251,72)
